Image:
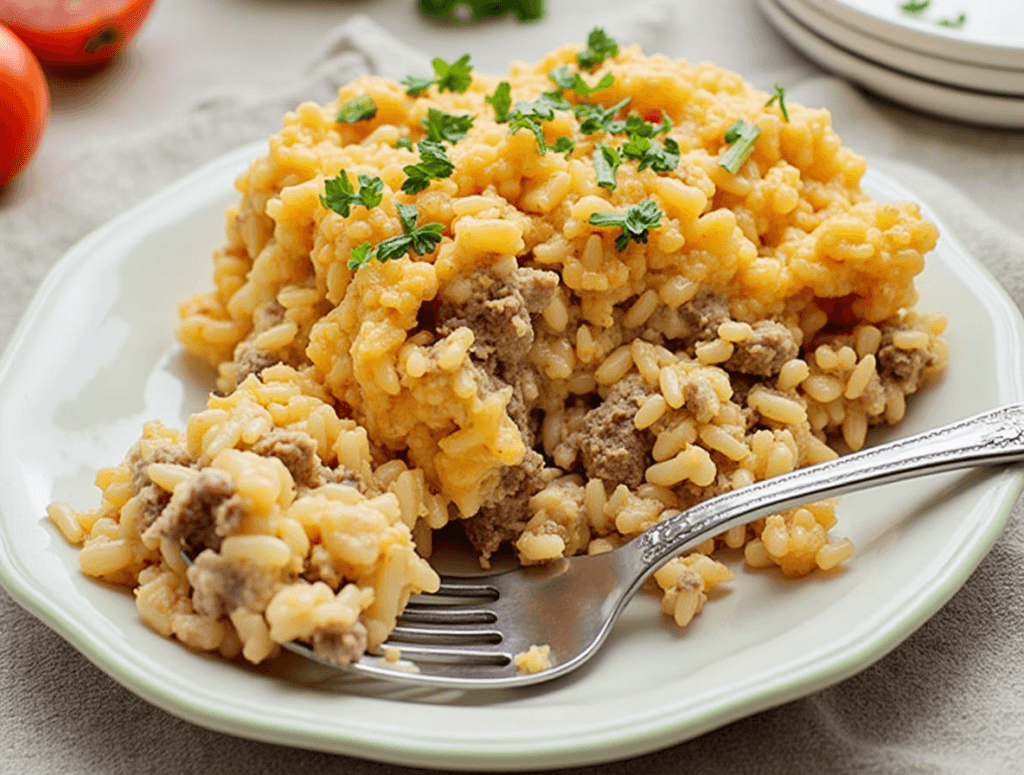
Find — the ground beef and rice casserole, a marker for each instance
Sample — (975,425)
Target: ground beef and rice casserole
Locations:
(550,383)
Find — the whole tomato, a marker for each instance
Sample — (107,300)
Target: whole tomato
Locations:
(24,105)
(79,34)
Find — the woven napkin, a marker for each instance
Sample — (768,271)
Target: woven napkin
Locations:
(948,700)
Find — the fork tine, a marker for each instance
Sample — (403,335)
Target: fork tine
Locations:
(436,614)
(477,655)
(442,635)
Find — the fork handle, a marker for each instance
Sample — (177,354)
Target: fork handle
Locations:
(985,439)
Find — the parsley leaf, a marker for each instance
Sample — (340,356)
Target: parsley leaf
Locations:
(954,24)
(564,145)
(420,239)
(635,222)
(599,47)
(357,109)
(650,154)
(525,10)
(455,76)
(415,86)
(501,100)
(444,126)
(780,96)
(595,118)
(403,142)
(528,115)
(526,121)
(635,125)
(915,6)
(606,164)
(434,164)
(339,195)
(563,80)
(742,136)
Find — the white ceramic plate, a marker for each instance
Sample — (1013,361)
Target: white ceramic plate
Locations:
(992,33)
(899,57)
(95,357)
(930,97)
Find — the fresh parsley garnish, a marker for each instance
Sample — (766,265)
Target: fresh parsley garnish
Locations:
(564,145)
(915,6)
(564,80)
(525,10)
(742,136)
(420,239)
(501,101)
(780,97)
(606,164)
(599,47)
(403,142)
(456,76)
(339,195)
(444,126)
(650,154)
(528,115)
(954,24)
(357,109)
(635,125)
(595,118)
(434,164)
(635,222)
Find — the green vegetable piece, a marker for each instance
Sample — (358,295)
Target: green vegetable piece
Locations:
(532,123)
(357,109)
(915,6)
(599,47)
(420,239)
(415,86)
(635,222)
(954,24)
(564,145)
(525,10)
(564,80)
(434,164)
(742,136)
(403,142)
(501,101)
(456,76)
(595,118)
(606,164)
(444,126)
(339,195)
(780,97)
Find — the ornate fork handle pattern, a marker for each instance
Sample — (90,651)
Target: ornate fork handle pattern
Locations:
(985,439)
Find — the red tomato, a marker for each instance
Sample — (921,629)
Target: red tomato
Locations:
(76,34)
(24,105)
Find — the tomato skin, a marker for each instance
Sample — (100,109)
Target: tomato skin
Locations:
(78,43)
(24,105)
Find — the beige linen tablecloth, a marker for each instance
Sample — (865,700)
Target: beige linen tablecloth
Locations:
(948,700)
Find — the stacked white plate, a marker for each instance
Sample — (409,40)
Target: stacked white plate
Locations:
(960,59)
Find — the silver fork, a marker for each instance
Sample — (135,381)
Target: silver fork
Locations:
(466,635)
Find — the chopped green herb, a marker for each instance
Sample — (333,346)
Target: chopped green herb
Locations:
(741,135)
(434,165)
(564,80)
(357,109)
(954,24)
(420,239)
(599,47)
(456,76)
(532,123)
(444,126)
(403,142)
(564,145)
(606,164)
(339,195)
(638,126)
(501,101)
(635,222)
(915,6)
(650,154)
(595,118)
(415,86)
(780,97)
(525,10)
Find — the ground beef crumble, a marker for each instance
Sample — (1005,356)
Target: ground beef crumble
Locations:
(201,512)
(611,447)
(764,353)
(220,586)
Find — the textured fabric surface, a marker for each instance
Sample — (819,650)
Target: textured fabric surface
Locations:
(948,700)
